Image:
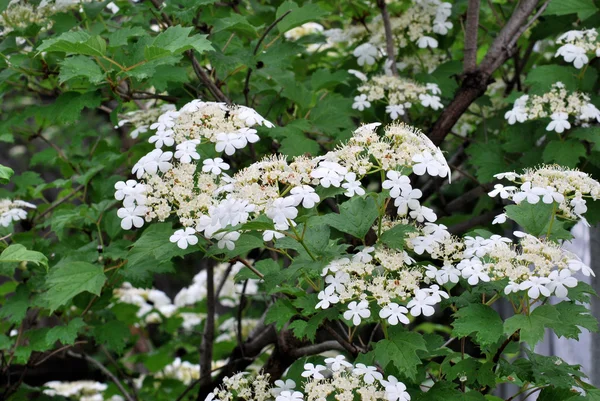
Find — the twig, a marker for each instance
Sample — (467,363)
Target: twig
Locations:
(249,266)
(105,371)
(389,36)
(472,26)
(351,348)
(56,351)
(315,349)
(256,49)
(206,348)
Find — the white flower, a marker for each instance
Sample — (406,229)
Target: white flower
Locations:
(560,281)
(361,102)
(326,300)
(437,294)
(186,151)
(338,363)
(570,36)
(248,135)
(516,114)
(441,26)
(500,219)
(155,161)
(281,385)
(433,88)
(269,235)
(395,110)
(448,273)
(281,210)
(475,272)
(427,41)
(431,101)
(396,183)
(352,186)
(358,75)
(132,216)
(130,192)
(529,193)
(185,237)
(161,138)
(365,53)
(369,373)
(394,313)
(356,311)
(579,206)
(408,199)
(335,265)
(396,391)
(536,286)
(589,112)
(306,195)
(227,240)
(573,54)
(511,287)
(336,283)
(250,117)
(290,396)
(423,213)
(214,166)
(560,122)
(501,190)
(552,195)
(576,265)
(313,371)
(231,212)
(329,173)
(363,256)
(422,303)
(426,162)
(229,143)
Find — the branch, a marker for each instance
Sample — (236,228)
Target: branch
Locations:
(105,371)
(389,36)
(206,348)
(472,26)
(315,349)
(256,49)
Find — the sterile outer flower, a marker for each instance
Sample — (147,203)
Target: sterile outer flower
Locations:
(500,219)
(433,88)
(442,26)
(573,54)
(214,166)
(130,192)
(512,287)
(560,281)
(570,36)
(576,265)
(394,313)
(250,117)
(551,195)
(589,112)
(560,122)
(475,272)
(579,206)
(530,193)
(361,102)
(358,75)
(248,135)
(338,363)
(281,385)
(396,392)
(352,186)
(227,240)
(516,114)
(427,41)
(132,216)
(326,300)
(155,161)
(431,101)
(396,183)
(185,237)
(437,294)
(365,53)
(329,174)
(229,143)
(281,210)
(364,256)
(408,199)
(290,396)
(422,303)
(368,373)
(305,195)
(395,111)
(356,311)
(186,151)
(269,235)
(501,190)
(426,162)
(336,282)
(162,138)
(423,213)
(313,371)
(536,287)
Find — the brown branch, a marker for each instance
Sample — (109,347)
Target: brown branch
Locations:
(351,348)
(315,349)
(389,36)
(472,26)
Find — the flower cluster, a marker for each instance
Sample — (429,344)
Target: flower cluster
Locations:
(82,390)
(399,94)
(558,104)
(576,45)
(13,211)
(550,184)
(183,371)
(338,378)
(142,119)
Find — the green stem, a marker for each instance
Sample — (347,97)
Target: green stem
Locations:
(551,221)
(301,241)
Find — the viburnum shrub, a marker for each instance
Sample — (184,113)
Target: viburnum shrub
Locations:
(295,200)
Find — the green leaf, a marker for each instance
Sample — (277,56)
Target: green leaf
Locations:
(571,317)
(401,350)
(535,219)
(394,237)
(297,145)
(355,218)
(543,77)
(532,327)
(68,106)
(15,307)
(566,153)
(298,15)
(114,334)
(589,134)
(481,320)
(80,67)
(65,334)
(68,279)
(17,253)
(176,40)
(79,42)
(583,8)
(5,174)
(121,36)
(487,158)
(266,267)
(281,312)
